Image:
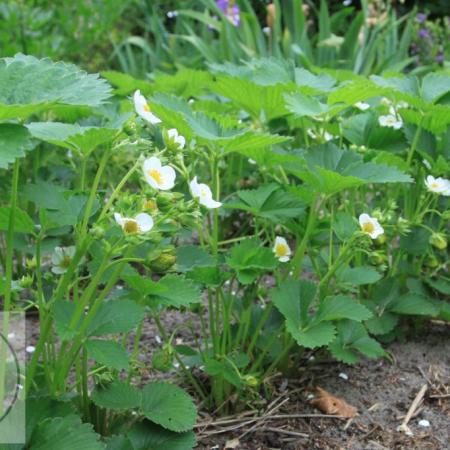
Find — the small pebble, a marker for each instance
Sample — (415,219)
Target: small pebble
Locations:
(158,339)
(343,375)
(11,335)
(30,349)
(424,423)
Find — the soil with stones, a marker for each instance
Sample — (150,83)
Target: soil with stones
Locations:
(381,390)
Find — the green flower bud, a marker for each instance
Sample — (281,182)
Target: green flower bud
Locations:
(250,380)
(438,240)
(162,359)
(31,263)
(163,262)
(26,281)
(432,262)
(98,232)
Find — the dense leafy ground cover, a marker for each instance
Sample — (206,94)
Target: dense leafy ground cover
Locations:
(284,210)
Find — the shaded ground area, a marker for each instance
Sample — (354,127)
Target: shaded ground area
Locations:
(381,390)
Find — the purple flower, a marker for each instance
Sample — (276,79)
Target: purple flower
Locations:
(424,33)
(231,11)
(421,17)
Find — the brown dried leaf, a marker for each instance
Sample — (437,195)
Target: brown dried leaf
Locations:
(329,404)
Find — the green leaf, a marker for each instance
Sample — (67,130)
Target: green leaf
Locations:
(125,84)
(45,195)
(116,316)
(360,275)
(435,86)
(149,436)
(352,339)
(118,396)
(108,353)
(169,406)
(329,169)
(15,142)
(22,221)
(312,336)
(249,259)
(29,85)
(344,225)
(177,291)
(303,105)
(342,307)
(382,324)
(42,407)
(412,304)
(253,98)
(293,299)
(63,311)
(67,433)
(190,256)
(269,202)
(72,136)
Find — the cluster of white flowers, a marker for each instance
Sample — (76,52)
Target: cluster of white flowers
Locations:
(159,176)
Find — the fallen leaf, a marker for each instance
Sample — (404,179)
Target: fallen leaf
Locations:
(329,404)
(234,443)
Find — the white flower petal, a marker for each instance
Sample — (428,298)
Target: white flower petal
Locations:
(209,203)
(168,176)
(145,222)
(194,186)
(363,106)
(143,110)
(119,219)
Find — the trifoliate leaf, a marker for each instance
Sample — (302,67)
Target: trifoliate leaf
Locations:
(29,85)
(149,436)
(118,396)
(72,136)
(67,433)
(108,353)
(169,406)
(342,307)
(360,275)
(412,304)
(351,340)
(176,291)
(116,316)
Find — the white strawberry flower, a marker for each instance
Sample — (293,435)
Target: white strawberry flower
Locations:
(438,185)
(281,249)
(157,175)
(363,106)
(61,259)
(203,193)
(176,138)
(142,223)
(370,226)
(143,109)
(391,121)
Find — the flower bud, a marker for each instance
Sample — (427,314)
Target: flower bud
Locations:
(98,232)
(162,359)
(31,263)
(26,281)
(250,380)
(150,205)
(438,240)
(432,262)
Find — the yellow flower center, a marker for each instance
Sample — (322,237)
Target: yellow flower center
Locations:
(131,227)
(368,227)
(146,107)
(281,250)
(435,185)
(203,192)
(156,175)
(65,262)
(151,205)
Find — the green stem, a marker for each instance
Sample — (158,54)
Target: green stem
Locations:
(297,260)
(8,277)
